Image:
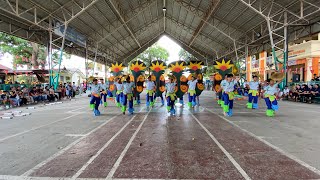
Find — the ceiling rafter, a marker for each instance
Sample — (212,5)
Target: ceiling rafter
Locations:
(117,9)
(206,16)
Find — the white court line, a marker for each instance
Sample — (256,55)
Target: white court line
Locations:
(102,149)
(233,161)
(35,128)
(315,170)
(117,163)
(10,177)
(65,149)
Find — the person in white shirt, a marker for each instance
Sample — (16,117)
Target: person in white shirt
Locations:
(104,94)
(127,95)
(192,91)
(222,85)
(95,94)
(228,94)
(119,91)
(270,92)
(253,93)
(285,92)
(171,95)
(150,87)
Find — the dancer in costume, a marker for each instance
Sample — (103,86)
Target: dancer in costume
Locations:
(104,92)
(192,91)
(171,95)
(127,95)
(95,97)
(253,93)
(222,86)
(151,87)
(270,92)
(119,91)
(228,95)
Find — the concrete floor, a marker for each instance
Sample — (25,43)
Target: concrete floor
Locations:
(66,141)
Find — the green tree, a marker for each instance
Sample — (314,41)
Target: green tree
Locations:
(186,56)
(154,52)
(25,52)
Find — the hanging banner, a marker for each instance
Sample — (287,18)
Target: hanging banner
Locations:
(71,34)
(292,62)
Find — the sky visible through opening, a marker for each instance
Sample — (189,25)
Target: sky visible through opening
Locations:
(78,63)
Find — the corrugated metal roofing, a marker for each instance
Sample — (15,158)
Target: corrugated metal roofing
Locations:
(125,28)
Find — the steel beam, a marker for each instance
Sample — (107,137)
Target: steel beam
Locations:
(123,22)
(207,15)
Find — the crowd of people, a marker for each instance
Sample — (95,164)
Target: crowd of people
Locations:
(20,95)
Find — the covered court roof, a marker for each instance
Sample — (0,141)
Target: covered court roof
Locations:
(121,29)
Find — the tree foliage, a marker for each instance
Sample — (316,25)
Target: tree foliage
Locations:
(25,52)
(186,56)
(154,52)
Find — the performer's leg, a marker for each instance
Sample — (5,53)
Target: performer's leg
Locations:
(230,108)
(147,100)
(269,111)
(222,99)
(162,100)
(226,103)
(138,99)
(168,103)
(105,103)
(172,110)
(194,100)
(249,104)
(118,100)
(198,100)
(181,100)
(97,102)
(131,106)
(274,105)
(151,100)
(255,102)
(92,102)
(190,100)
(124,104)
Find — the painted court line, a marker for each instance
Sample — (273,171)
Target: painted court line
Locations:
(313,169)
(10,177)
(35,128)
(233,161)
(117,163)
(29,172)
(100,150)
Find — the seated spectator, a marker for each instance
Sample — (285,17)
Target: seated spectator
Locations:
(296,93)
(45,93)
(315,77)
(52,95)
(60,92)
(34,94)
(26,94)
(285,93)
(24,100)
(14,98)
(314,92)
(305,93)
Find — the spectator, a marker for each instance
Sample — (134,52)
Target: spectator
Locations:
(285,93)
(52,95)
(74,89)
(315,77)
(14,98)
(26,94)
(33,93)
(69,91)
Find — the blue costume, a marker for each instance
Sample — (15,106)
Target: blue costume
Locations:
(171,97)
(95,98)
(270,99)
(253,95)
(192,93)
(127,96)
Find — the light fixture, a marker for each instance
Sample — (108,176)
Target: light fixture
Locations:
(258,35)
(164,9)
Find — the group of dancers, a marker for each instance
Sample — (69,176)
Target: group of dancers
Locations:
(125,94)
(267,91)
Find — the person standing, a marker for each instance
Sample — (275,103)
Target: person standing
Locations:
(192,91)
(171,95)
(253,93)
(151,87)
(104,94)
(228,95)
(270,92)
(95,100)
(119,91)
(127,95)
